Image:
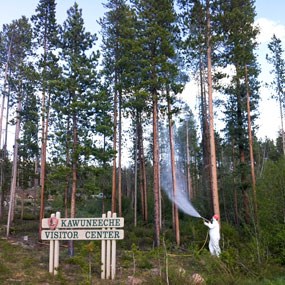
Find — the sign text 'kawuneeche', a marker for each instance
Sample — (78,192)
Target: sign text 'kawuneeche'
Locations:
(86,223)
(82,234)
(76,229)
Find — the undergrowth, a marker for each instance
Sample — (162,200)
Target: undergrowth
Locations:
(25,261)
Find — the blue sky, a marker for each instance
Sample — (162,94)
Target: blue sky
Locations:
(270,18)
(93,9)
(272,9)
(13,9)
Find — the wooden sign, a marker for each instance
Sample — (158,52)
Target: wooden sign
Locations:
(105,229)
(80,223)
(82,234)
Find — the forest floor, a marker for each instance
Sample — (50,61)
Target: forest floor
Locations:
(25,260)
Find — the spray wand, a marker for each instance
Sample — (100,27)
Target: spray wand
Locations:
(204,219)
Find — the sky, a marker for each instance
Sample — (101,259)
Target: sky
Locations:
(270,18)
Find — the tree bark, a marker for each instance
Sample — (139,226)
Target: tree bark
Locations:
(136,176)
(67,187)
(205,134)
(5,84)
(114,175)
(14,169)
(236,208)
(173,174)
(143,186)
(241,148)
(141,182)
(190,189)
(44,123)
(157,218)
(120,157)
(214,182)
(74,167)
(253,180)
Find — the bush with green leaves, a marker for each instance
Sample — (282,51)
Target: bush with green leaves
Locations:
(271,209)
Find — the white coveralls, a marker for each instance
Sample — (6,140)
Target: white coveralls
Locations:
(214,232)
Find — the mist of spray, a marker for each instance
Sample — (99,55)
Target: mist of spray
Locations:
(181,198)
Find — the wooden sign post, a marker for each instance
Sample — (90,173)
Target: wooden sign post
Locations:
(104,229)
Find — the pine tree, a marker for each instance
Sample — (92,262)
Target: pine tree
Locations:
(239,45)
(76,107)
(29,143)
(28,151)
(117,30)
(213,160)
(6,44)
(21,31)
(45,35)
(199,21)
(156,32)
(276,59)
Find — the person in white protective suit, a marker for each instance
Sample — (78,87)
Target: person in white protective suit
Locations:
(214,232)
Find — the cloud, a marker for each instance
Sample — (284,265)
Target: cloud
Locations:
(269,121)
(268,28)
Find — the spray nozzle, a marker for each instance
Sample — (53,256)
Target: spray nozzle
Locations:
(204,219)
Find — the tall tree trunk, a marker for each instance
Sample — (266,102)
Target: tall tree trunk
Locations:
(128,180)
(173,174)
(236,208)
(42,180)
(6,91)
(14,169)
(4,161)
(67,187)
(136,176)
(214,182)
(36,184)
(157,215)
(206,180)
(74,168)
(143,170)
(66,191)
(74,178)
(241,147)
(159,195)
(5,84)
(114,175)
(188,169)
(2,107)
(280,97)
(282,127)
(141,190)
(44,124)
(251,146)
(120,156)
(143,184)
(244,184)
(7,126)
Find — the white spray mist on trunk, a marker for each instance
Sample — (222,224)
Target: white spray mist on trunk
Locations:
(181,198)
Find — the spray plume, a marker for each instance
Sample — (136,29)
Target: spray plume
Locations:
(181,197)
